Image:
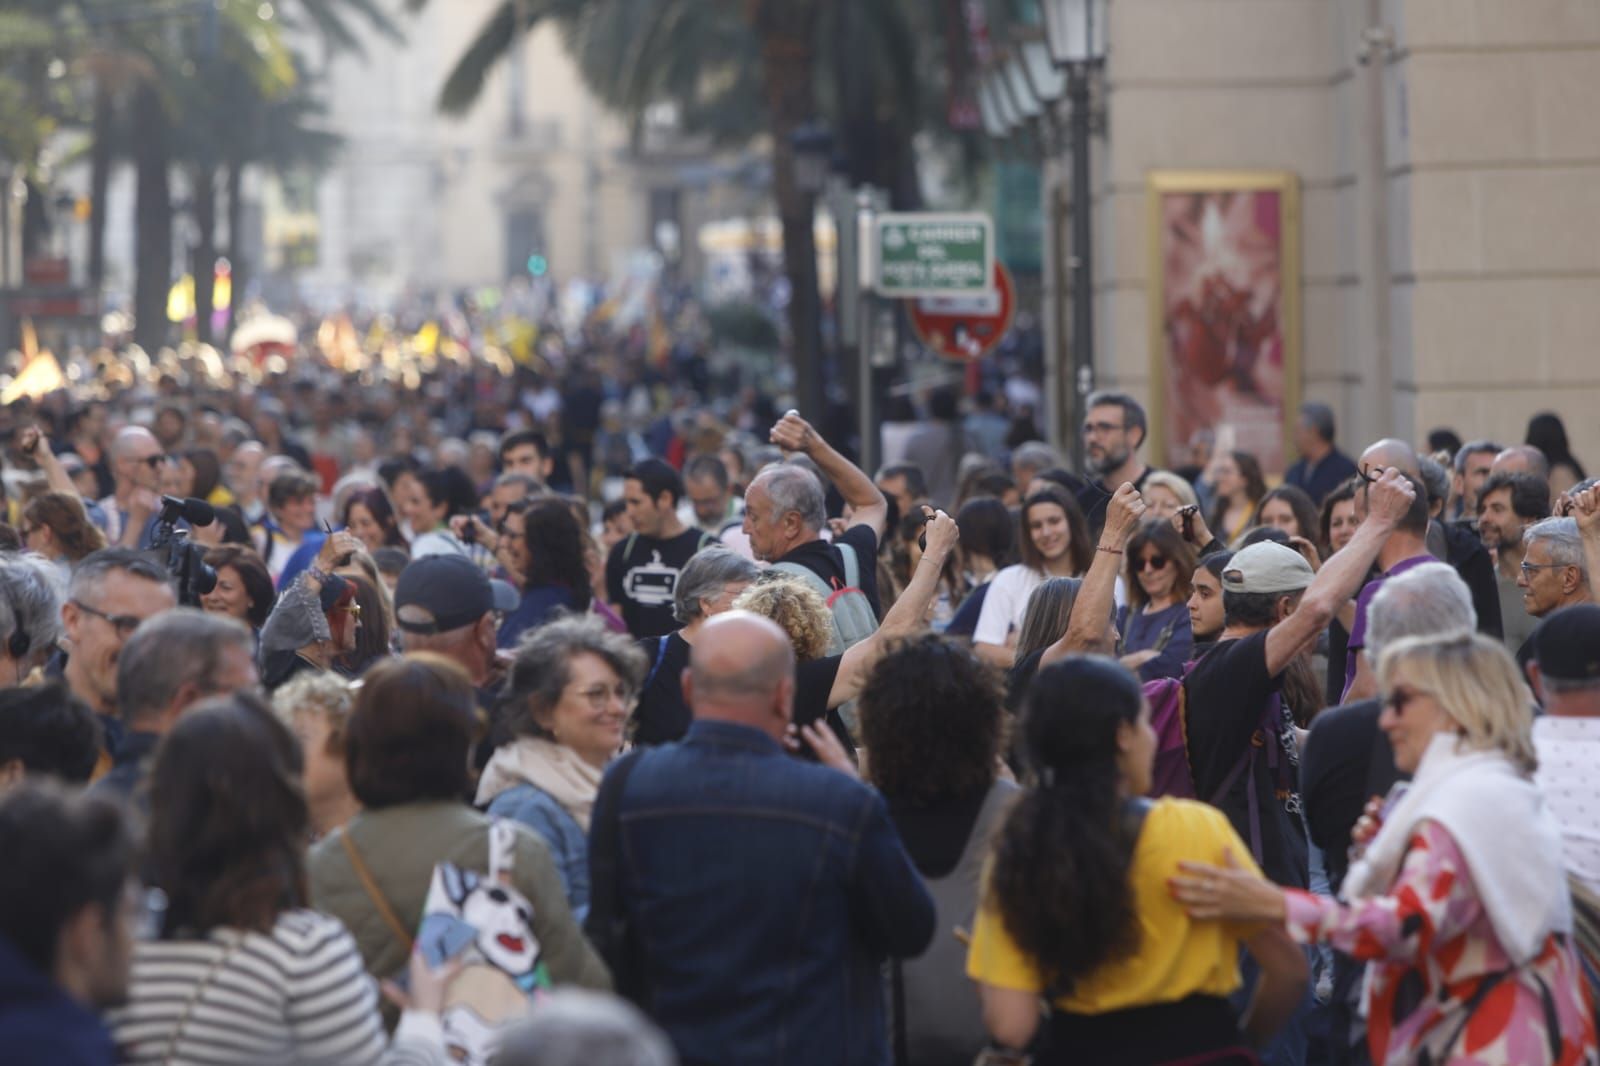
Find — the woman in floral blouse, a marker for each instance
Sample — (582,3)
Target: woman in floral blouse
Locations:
(1459,903)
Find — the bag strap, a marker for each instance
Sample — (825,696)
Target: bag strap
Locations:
(1247,759)
(661,654)
(194,999)
(370,886)
(852,566)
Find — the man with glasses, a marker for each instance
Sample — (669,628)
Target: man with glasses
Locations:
(1113,432)
(1405,547)
(155,686)
(1553,573)
(112,592)
(137,462)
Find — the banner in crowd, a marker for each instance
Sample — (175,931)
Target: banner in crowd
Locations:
(1224,264)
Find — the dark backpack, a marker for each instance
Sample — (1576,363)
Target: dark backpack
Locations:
(1173,775)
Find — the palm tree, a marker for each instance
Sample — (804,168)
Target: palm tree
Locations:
(696,54)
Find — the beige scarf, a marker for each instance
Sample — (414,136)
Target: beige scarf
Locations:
(546,765)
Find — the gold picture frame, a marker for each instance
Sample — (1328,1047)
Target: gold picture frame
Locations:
(1224,312)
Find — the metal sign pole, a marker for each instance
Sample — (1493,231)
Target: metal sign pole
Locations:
(867,278)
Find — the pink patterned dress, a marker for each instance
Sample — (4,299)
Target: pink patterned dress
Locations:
(1430,947)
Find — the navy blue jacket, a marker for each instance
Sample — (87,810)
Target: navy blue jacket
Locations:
(1322,478)
(40,1025)
(763,893)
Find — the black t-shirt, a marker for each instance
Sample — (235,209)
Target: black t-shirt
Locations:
(823,559)
(812,682)
(663,715)
(1347,760)
(641,575)
(1233,705)
(1094,496)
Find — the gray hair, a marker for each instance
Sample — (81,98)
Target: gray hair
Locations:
(31,595)
(575,1027)
(1563,539)
(542,665)
(705,577)
(1429,600)
(1435,478)
(149,674)
(93,569)
(1035,455)
(1471,448)
(525,482)
(793,488)
(1319,416)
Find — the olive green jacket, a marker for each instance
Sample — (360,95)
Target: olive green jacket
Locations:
(400,846)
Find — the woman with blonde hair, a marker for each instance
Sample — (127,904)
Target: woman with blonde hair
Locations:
(1166,493)
(1459,902)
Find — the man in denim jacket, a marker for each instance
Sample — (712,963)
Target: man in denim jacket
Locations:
(757,895)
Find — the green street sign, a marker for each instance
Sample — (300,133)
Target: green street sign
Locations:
(918,254)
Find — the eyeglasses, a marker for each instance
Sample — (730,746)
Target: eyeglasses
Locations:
(1370,479)
(1528,568)
(124,624)
(1094,429)
(1396,701)
(597,696)
(1154,563)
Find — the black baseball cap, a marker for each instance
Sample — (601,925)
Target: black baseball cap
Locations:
(438,593)
(1567,644)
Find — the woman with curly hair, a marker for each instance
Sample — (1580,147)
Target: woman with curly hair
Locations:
(931,717)
(1077,905)
(567,699)
(555,574)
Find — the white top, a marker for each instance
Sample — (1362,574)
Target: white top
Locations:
(1006,603)
(1569,777)
(298,995)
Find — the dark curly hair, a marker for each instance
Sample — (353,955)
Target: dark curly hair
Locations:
(228,819)
(1061,862)
(931,716)
(556,549)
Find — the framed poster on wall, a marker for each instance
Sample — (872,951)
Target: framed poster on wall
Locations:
(1224,264)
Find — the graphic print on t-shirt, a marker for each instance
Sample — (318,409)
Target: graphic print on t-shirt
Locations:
(651,584)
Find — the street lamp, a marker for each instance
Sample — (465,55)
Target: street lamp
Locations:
(1075,35)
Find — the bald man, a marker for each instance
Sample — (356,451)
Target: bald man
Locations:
(137,461)
(1522,459)
(761,893)
(1406,547)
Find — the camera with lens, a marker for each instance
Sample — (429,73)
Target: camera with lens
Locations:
(183,559)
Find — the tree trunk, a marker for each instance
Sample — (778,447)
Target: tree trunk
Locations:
(787,30)
(99,184)
(236,257)
(152,221)
(204,265)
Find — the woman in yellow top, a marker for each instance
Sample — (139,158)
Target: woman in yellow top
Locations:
(1077,906)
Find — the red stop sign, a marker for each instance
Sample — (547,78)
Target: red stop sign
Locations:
(967,327)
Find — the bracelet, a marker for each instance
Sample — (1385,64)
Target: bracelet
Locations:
(1108,551)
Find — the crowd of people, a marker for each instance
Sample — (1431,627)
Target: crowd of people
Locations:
(349,722)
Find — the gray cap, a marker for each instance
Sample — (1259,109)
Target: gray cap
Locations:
(1267,567)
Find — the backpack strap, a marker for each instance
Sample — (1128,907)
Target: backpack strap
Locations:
(661,654)
(852,566)
(607,925)
(1246,760)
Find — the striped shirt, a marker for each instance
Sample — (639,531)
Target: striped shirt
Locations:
(297,995)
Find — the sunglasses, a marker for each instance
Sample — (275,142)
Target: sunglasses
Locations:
(1396,701)
(1154,563)
(154,462)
